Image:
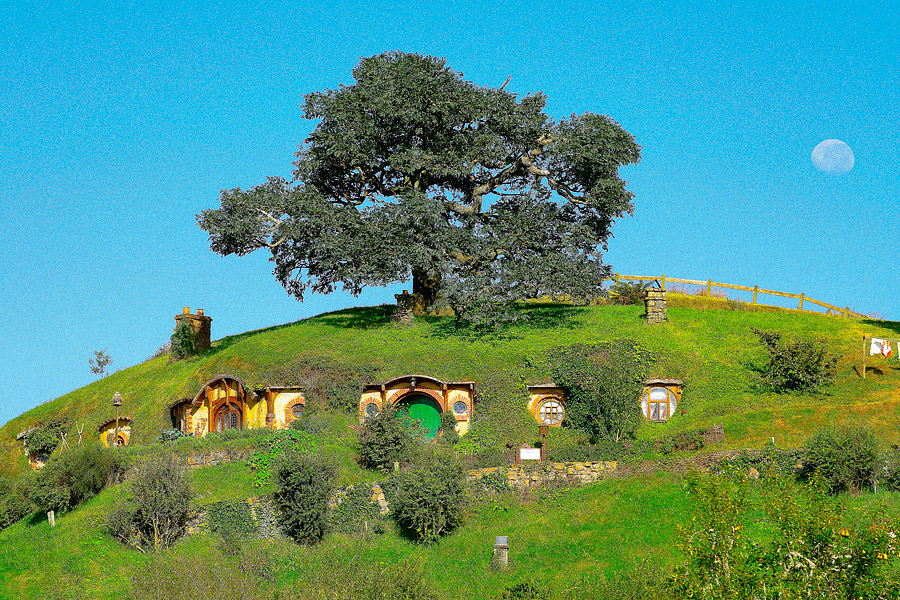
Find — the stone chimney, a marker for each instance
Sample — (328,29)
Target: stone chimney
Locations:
(655,305)
(199,324)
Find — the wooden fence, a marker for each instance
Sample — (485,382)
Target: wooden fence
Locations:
(710,284)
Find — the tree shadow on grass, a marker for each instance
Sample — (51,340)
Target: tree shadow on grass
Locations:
(365,317)
(528,316)
(893,326)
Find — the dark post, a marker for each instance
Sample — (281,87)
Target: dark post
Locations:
(117,402)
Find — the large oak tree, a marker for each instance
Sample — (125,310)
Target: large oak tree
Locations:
(413,172)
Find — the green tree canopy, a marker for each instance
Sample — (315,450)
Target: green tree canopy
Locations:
(412,171)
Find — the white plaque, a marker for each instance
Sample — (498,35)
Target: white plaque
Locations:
(529,453)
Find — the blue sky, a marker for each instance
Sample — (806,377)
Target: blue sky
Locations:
(122,120)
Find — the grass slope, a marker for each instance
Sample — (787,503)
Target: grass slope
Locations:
(711,349)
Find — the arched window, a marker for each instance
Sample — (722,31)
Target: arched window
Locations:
(228,417)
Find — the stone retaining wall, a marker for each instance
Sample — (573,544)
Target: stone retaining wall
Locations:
(519,477)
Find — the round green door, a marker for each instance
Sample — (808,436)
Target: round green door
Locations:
(426,411)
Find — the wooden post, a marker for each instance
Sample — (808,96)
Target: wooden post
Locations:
(802,297)
(709,287)
(617,278)
(864,357)
(663,282)
(847,314)
(755,291)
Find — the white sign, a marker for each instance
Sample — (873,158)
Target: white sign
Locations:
(529,453)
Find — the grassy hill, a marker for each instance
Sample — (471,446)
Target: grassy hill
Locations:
(558,536)
(707,343)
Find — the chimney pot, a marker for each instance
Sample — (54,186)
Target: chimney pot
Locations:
(200,312)
(187,310)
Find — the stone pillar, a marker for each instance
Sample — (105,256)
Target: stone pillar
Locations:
(406,304)
(655,305)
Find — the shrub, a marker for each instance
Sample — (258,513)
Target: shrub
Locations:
(158,507)
(602,384)
(72,478)
(448,429)
(45,438)
(183,342)
(428,499)
(169,435)
(356,514)
(15,503)
(385,439)
(305,483)
(891,471)
(798,365)
(626,292)
(232,520)
(846,456)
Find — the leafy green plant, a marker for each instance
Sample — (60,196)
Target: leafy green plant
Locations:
(448,435)
(43,439)
(156,511)
(15,503)
(169,435)
(385,439)
(305,482)
(627,292)
(847,456)
(602,384)
(428,499)
(355,513)
(798,365)
(232,520)
(71,478)
(183,342)
(891,469)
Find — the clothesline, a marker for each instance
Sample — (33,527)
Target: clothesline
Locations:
(878,345)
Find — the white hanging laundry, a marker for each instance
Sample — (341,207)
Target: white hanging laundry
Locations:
(877,346)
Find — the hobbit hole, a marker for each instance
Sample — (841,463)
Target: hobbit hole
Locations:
(547,404)
(423,399)
(224,403)
(113,434)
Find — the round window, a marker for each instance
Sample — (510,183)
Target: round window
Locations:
(371,409)
(297,411)
(460,407)
(551,412)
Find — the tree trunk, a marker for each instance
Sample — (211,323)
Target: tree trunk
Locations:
(425,288)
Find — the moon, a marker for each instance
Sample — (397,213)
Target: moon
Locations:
(833,156)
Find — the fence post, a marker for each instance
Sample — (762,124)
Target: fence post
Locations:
(847,314)
(864,357)
(755,290)
(802,297)
(617,278)
(709,287)
(663,282)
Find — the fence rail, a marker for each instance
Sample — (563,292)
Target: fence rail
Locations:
(710,284)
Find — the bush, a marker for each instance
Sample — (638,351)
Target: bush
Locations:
(448,429)
(798,366)
(15,503)
(183,342)
(232,520)
(72,478)
(385,439)
(891,471)
(356,514)
(45,438)
(169,435)
(428,499)
(305,483)
(846,456)
(158,507)
(625,292)
(602,384)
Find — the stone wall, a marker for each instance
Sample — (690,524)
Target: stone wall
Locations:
(520,477)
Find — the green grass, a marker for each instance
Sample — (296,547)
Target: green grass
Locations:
(554,536)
